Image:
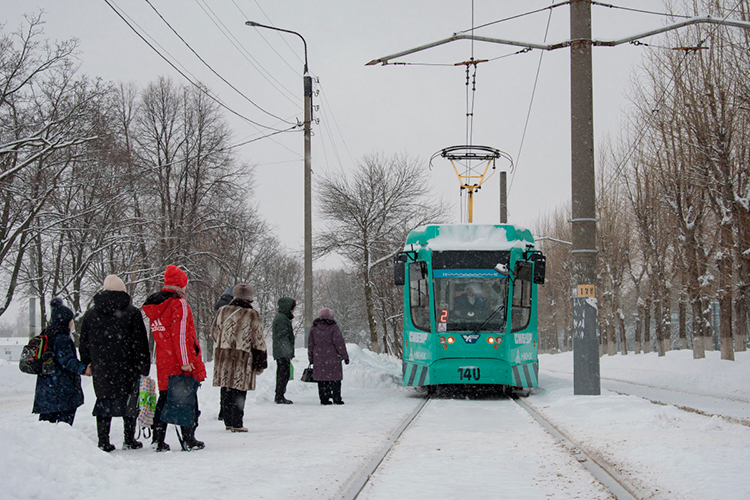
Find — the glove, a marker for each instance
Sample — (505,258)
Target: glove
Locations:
(346,361)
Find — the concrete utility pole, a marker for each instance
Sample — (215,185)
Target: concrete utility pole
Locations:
(586,377)
(583,196)
(308,94)
(503,197)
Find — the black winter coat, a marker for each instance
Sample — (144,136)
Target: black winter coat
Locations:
(61,390)
(115,342)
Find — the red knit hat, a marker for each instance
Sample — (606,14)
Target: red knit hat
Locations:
(174,276)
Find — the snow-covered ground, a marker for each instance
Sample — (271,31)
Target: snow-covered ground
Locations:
(306,450)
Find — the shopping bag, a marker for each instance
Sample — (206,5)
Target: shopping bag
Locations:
(146,402)
(182,401)
(291,371)
(307,374)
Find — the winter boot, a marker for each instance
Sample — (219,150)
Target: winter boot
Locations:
(160,432)
(129,442)
(102,431)
(189,443)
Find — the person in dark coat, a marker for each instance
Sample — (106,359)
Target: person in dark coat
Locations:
(325,350)
(224,300)
(283,346)
(115,342)
(59,394)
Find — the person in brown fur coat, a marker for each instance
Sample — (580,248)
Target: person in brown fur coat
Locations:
(239,353)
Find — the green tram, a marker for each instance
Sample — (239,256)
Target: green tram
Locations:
(470,313)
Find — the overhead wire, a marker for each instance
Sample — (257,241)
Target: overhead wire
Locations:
(316,82)
(517,16)
(182,73)
(246,54)
(211,68)
(531,103)
(667,91)
(642,11)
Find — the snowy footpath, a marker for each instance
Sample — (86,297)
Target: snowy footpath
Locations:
(680,448)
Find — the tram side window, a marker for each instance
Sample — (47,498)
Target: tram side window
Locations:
(521,312)
(419,295)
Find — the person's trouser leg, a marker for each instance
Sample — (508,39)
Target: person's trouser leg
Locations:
(336,391)
(103,425)
(159,428)
(282,377)
(236,408)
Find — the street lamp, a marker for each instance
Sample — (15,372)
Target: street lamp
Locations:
(307,81)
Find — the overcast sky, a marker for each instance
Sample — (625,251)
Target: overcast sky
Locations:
(414,109)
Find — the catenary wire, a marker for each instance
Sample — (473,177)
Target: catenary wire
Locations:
(531,102)
(667,91)
(211,68)
(196,85)
(642,11)
(555,5)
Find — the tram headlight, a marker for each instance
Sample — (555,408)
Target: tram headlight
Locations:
(490,340)
(451,340)
(442,340)
(499,340)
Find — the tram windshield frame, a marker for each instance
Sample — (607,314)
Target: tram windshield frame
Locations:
(466,298)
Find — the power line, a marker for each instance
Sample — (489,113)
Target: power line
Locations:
(210,67)
(248,57)
(199,87)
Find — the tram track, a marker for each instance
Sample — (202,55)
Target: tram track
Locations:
(605,473)
(356,483)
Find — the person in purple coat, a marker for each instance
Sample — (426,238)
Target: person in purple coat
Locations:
(325,350)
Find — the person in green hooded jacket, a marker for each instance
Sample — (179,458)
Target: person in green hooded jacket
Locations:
(283,346)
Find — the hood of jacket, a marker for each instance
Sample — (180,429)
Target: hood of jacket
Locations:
(109,301)
(157,302)
(285,306)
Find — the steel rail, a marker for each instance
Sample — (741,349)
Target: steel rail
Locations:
(602,471)
(357,483)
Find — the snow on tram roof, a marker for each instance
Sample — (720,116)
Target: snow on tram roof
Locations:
(470,237)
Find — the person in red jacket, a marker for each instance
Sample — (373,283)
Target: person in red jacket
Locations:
(177,349)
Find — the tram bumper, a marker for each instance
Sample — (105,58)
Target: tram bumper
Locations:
(471,371)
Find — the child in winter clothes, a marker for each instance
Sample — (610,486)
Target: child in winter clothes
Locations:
(58,395)
(177,349)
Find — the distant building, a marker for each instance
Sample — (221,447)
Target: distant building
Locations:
(10,347)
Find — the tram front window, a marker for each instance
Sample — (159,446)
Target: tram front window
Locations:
(466,302)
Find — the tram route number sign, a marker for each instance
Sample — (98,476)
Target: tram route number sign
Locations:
(469,373)
(586,291)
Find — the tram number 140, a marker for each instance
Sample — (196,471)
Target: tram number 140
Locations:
(468,373)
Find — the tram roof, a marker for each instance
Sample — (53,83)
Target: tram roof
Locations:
(470,237)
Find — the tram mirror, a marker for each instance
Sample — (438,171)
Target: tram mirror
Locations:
(523,271)
(540,265)
(502,269)
(399,270)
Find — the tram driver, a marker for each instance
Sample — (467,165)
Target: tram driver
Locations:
(470,305)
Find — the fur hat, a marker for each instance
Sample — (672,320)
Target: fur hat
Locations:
(243,291)
(60,315)
(325,313)
(113,283)
(174,276)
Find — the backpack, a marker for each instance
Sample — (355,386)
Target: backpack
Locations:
(38,356)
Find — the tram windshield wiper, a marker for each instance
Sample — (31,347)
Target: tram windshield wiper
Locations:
(497,309)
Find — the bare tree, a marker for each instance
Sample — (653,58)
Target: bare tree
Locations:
(368,214)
